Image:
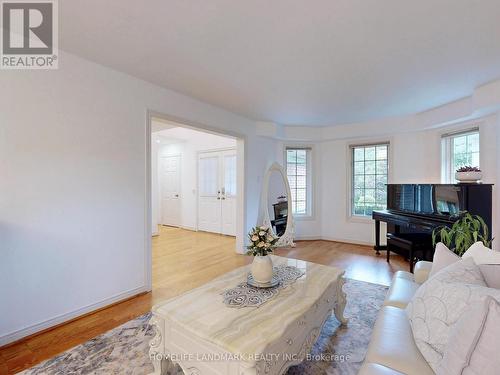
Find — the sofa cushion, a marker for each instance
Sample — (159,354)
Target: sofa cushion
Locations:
(491,274)
(472,348)
(443,257)
(488,261)
(402,289)
(392,344)
(439,303)
(376,369)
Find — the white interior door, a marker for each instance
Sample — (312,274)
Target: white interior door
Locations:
(209,199)
(217,192)
(170,190)
(228,193)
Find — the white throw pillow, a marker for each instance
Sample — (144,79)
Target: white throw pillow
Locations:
(473,344)
(439,303)
(443,257)
(482,254)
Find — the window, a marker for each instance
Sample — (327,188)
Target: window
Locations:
(369,178)
(298,170)
(458,150)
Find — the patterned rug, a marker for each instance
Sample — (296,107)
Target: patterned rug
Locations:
(124,350)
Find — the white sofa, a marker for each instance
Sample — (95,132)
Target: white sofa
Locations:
(392,350)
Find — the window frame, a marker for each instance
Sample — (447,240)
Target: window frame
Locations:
(309,178)
(350,177)
(448,156)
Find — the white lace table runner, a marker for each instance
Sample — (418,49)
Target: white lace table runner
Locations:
(244,295)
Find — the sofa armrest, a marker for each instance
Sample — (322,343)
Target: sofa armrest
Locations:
(421,271)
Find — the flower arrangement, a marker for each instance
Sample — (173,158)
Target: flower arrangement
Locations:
(262,241)
(468,168)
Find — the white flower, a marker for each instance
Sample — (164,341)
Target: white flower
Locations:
(262,233)
(269,238)
(267,245)
(260,244)
(263,227)
(255,238)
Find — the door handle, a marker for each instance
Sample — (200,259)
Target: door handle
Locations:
(176,195)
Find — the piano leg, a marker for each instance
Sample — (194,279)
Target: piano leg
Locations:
(377,237)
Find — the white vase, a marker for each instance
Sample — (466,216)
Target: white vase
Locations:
(468,176)
(262,269)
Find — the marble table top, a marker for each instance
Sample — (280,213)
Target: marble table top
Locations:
(202,311)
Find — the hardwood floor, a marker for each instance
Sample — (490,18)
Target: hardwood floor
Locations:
(183,260)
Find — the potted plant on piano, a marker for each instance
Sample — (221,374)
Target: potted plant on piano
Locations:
(262,243)
(468,174)
(466,231)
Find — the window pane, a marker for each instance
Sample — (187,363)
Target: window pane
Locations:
(381,166)
(475,159)
(370,167)
(301,156)
(473,142)
(291,156)
(381,152)
(381,181)
(370,153)
(359,182)
(460,144)
(358,196)
(359,154)
(301,169)
(370,181)
(369,191)
(301,182)
(301,195)
(297,173)
(359,168)
(301,207)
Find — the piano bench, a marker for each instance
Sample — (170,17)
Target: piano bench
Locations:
(413,246)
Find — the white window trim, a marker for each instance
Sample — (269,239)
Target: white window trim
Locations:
(350,171)
(447,173)
(310,180)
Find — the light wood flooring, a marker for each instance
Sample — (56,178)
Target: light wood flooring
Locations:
(183,260)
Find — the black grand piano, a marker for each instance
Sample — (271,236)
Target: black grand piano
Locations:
(414,210)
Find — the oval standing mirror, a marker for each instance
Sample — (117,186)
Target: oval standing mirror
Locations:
(276,208)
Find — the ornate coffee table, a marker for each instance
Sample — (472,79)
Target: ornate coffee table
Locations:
(204,336)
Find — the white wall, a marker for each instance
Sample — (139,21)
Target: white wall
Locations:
(73,187)
(187,143)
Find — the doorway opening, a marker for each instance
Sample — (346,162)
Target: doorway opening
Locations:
(197,202)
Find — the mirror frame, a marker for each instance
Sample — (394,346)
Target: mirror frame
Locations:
(286,240)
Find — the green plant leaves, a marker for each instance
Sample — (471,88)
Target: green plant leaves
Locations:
(463,233)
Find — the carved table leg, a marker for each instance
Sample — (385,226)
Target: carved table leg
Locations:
(341,301)
(156,346)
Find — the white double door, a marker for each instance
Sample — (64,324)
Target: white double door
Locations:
(217,192)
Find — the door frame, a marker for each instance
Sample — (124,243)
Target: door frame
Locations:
(241,204)
(177,155)
(235,149)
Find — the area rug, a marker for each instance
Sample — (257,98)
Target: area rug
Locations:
(124,350)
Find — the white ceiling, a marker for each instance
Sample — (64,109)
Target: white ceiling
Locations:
(321,62)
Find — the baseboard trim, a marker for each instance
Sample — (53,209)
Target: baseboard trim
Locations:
(308,238)
(347,240)
(64,318)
